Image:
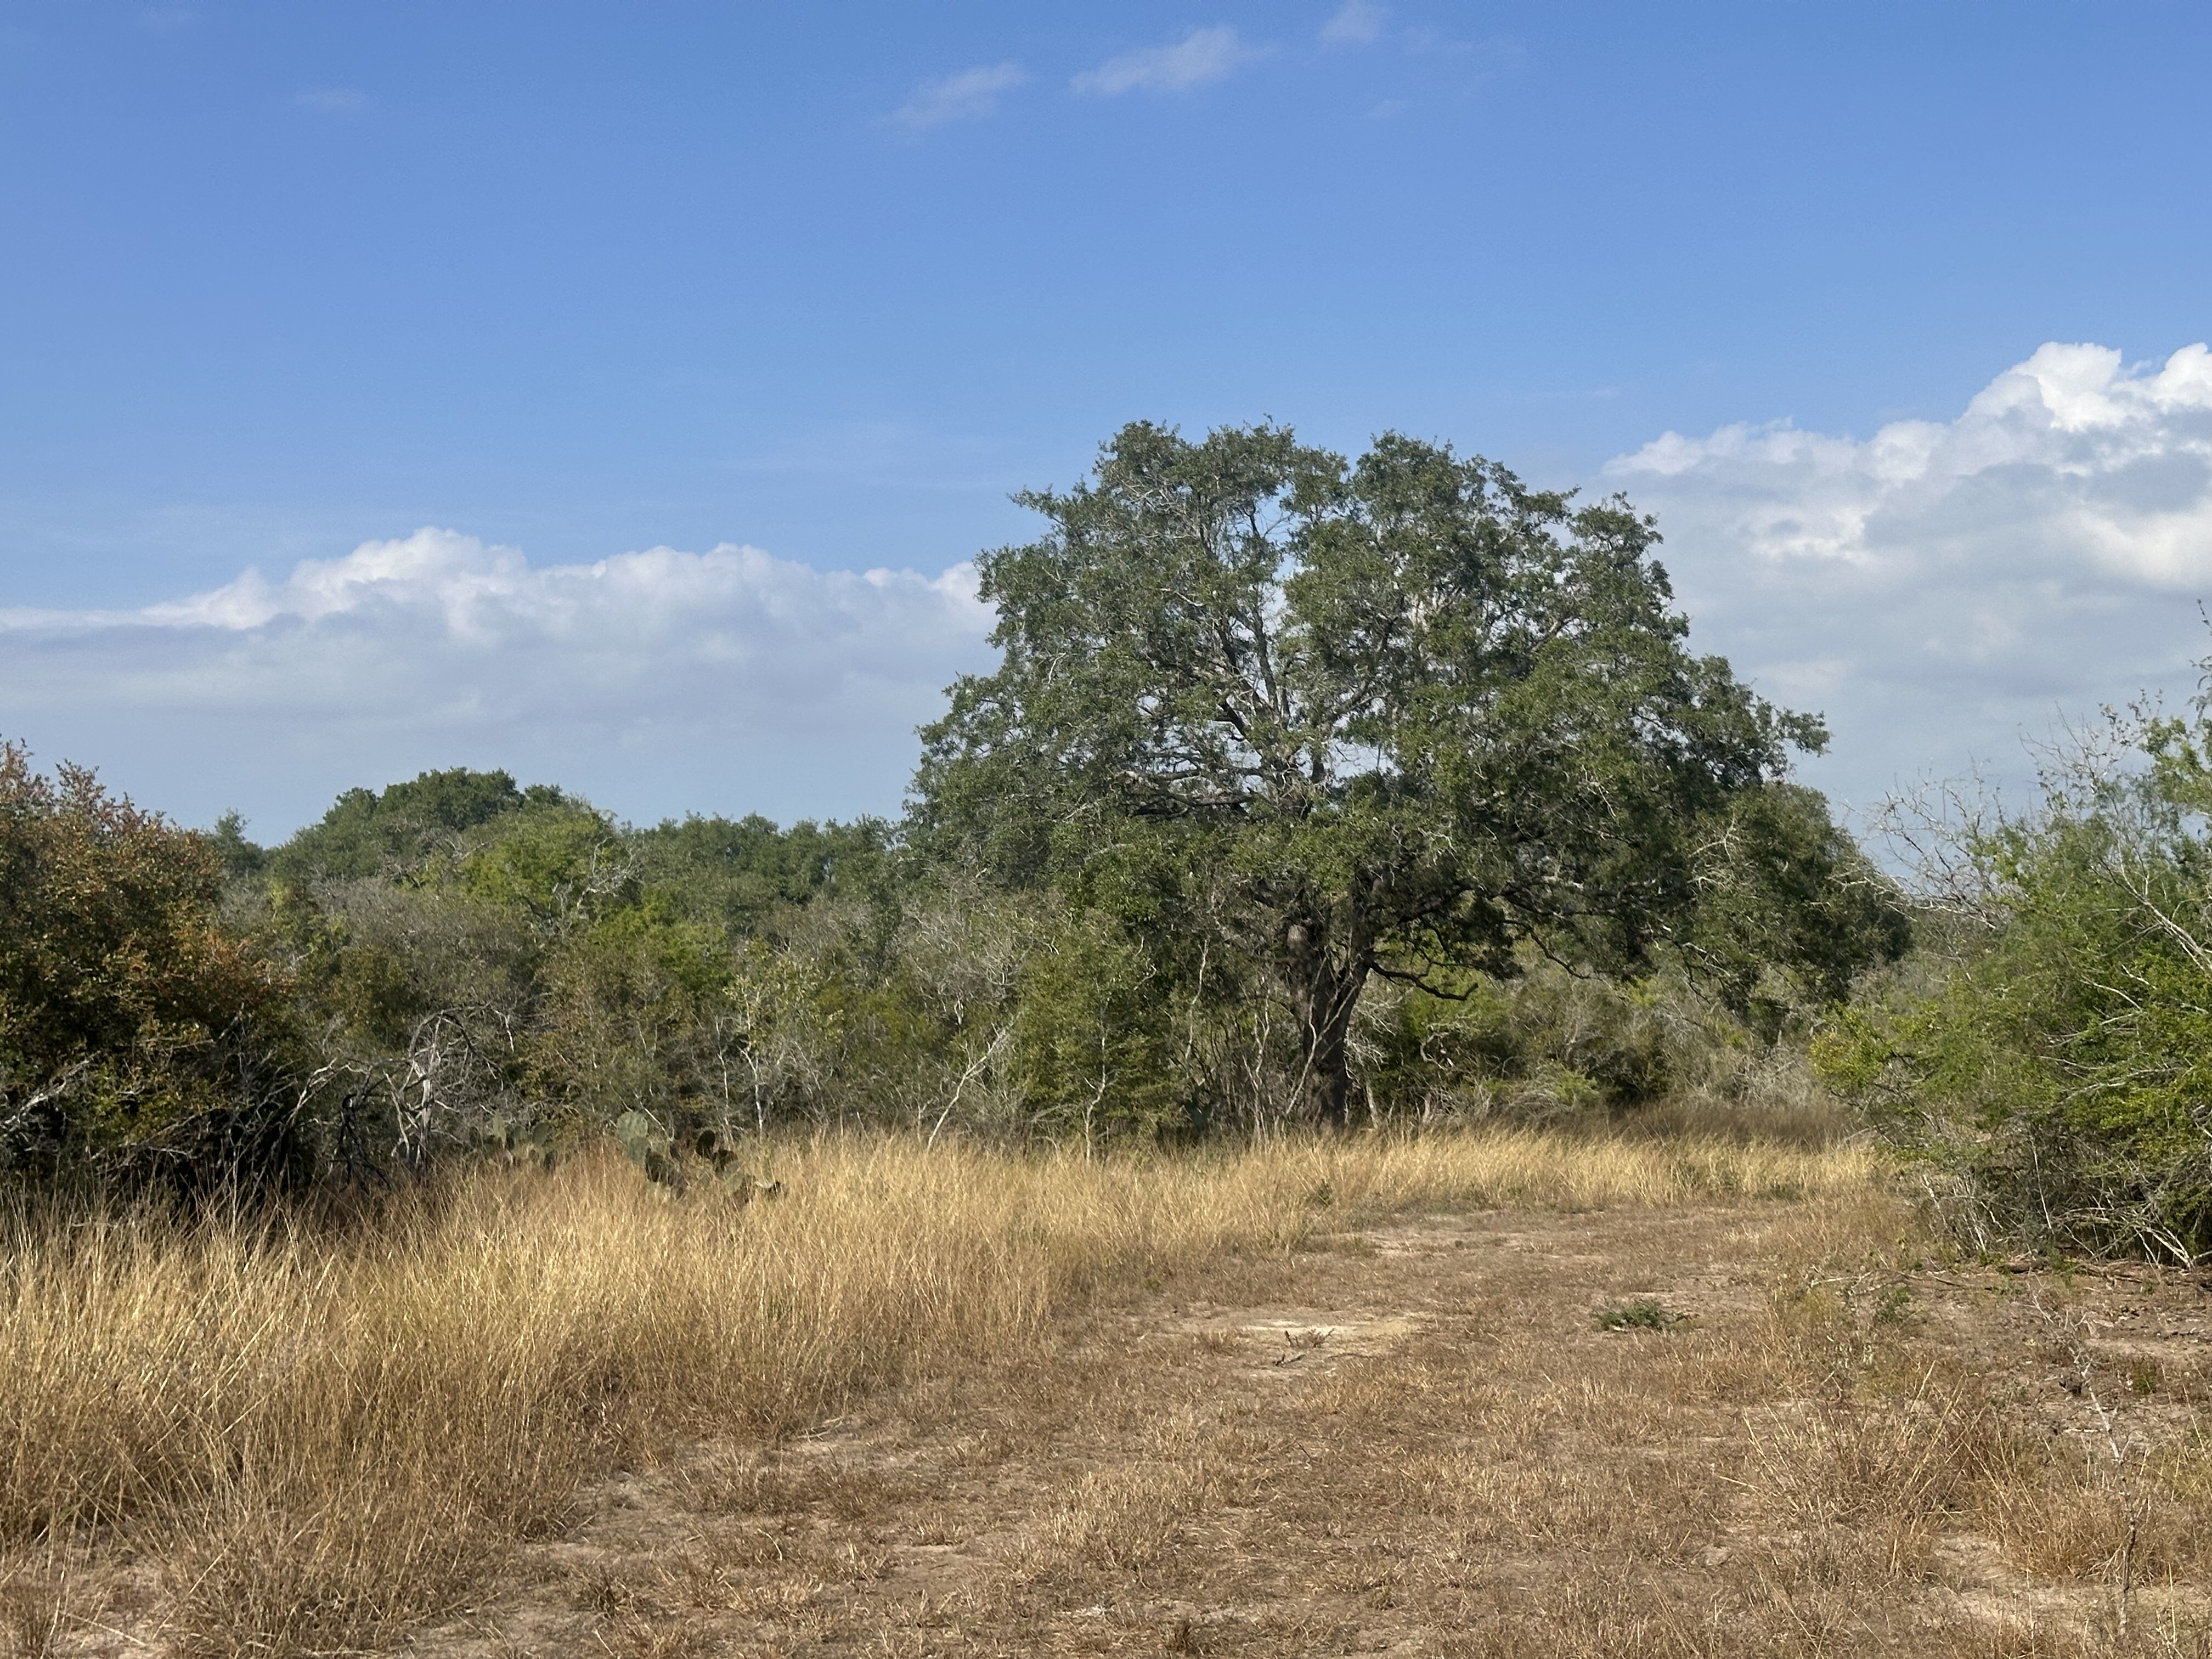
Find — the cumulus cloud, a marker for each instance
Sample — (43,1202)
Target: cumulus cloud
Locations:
(1942,588)
(656,680)
(1356,23)
(1200,58)
(1937,589)
(968,96)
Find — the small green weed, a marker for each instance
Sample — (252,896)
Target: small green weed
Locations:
(1643,1314)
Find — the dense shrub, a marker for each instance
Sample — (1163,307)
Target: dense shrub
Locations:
(128,1013)
(2052,1063)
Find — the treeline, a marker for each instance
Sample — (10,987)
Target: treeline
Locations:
(458,963)
(1307,791)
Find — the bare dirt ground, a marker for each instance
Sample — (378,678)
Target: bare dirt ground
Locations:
(1755,1429)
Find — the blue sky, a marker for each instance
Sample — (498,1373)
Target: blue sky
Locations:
(827,281)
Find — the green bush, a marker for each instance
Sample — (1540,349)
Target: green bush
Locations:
(2052,1065)
(130,1017)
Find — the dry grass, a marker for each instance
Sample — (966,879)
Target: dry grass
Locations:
(317,1434)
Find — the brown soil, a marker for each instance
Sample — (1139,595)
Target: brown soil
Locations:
(1420,1438)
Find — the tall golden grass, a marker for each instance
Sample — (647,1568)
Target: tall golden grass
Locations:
(323,1428)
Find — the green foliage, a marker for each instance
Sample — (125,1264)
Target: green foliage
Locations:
(2057,1062)
(556,861)
(790,1011)
(743,872)
(128,1013)
(241,857)
(1397,717)
(478,964)
(1545,1044)
(1092,1031)
(1790,911)
(634,1018)
(396,831)
(1641,1314)
(544,975)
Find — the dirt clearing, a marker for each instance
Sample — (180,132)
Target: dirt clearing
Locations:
(1748,1428)
(1502,1396)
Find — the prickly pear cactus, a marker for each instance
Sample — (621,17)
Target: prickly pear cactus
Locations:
(524,1141)
(648,1147)
(669,1162)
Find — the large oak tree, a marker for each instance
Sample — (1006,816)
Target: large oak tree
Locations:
(1415,714)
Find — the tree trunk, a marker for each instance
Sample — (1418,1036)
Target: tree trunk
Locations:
(1322,995)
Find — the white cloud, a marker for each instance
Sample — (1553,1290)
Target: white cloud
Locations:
(1935,589)
(1356,23)
(969,95)
(656,680)
(1942,587)
(333,100)
(1200,58)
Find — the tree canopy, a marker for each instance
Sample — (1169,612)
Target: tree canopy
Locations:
(1404,714)
(370,832)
